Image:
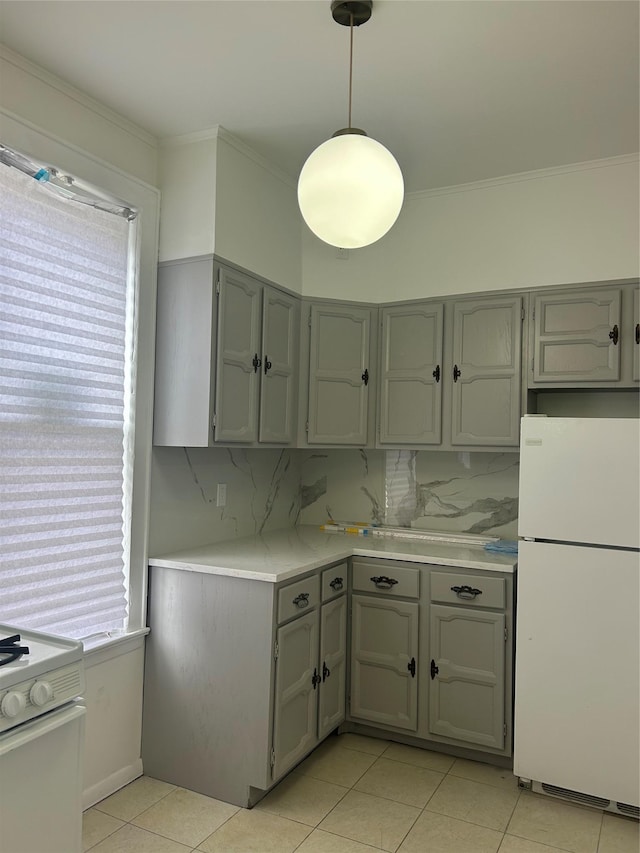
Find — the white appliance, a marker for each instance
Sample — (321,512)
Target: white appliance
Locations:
(577,682)
(41,742)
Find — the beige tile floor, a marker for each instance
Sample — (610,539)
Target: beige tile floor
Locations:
(353,795)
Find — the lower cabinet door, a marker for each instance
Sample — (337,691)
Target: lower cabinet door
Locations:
(384,648)
(296,694)
(466,692)
(333,641)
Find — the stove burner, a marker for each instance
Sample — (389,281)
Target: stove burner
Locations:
(10,650)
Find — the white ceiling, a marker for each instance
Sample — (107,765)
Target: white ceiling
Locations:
(459,90)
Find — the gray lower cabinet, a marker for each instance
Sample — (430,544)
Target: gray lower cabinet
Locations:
(243,678)
(340,374)
(384,643)
(467,690)
(384,646)
(309,700)
(438,668)
(226,357)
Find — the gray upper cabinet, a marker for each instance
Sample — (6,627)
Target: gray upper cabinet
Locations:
(226,357)
(239,357)
(339,375)
(576,337)
(486,338)
(410,378)
(278,373)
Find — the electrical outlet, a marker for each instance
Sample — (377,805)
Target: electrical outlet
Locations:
(221,495)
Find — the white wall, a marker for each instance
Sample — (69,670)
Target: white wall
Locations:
(218,196)
(43,117)
(557,226)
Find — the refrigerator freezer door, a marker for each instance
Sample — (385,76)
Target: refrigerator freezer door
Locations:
(580,480)
(577,710)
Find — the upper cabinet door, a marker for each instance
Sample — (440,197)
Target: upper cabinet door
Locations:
(486,372)
(239,358)
(339,375)
(576,336)
(411,380)
(278,370)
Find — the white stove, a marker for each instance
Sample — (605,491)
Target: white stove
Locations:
(48,676)
(41,742)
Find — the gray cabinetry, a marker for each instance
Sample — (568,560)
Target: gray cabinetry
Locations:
(576,336)
(466,697)
(635,371)
(451,374)
(243,678)
(226,357)
(411,370)
(486,371)
(438,668)
(384,644)
(340,375)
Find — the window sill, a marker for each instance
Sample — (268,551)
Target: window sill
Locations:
(97,650)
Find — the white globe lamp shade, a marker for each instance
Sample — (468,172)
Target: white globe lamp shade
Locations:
(350,190)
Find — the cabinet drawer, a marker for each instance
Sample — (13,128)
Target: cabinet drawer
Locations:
(469,590)
(334,581)
(298,597)
(389,580)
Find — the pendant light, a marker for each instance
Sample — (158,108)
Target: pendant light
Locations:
(350,189)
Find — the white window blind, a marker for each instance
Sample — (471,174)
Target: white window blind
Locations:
(65,411)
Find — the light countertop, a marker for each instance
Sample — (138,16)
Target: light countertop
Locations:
(284,554)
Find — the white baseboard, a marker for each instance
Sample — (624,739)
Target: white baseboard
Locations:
(111,784)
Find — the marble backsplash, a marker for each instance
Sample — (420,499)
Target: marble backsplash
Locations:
(270,489)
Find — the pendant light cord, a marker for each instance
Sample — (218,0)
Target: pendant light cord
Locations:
(350,62)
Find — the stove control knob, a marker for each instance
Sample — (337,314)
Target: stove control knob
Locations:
(13,703)
(41,693)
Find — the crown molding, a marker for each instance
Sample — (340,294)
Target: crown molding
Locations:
(77,95)
(518,177)
(219,132)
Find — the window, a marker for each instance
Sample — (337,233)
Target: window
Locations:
(66,410)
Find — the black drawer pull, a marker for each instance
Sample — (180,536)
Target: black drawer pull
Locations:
(383,582)
(336,584)
(466,592)
(301,600)
(411,666)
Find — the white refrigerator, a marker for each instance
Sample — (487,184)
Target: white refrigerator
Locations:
(577,681)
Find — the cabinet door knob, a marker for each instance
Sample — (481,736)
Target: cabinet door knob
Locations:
(326,672)
(256,363)
(434,669)
(411,666)
(466,592)
(638,333)
(436,373)
(383,582)
(365,376)
(614,335)
(267,364)
(336,584)
(301,600)
(456,373)
(315,679)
